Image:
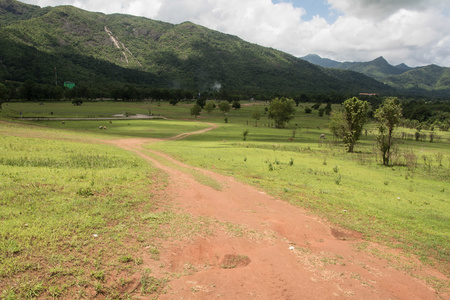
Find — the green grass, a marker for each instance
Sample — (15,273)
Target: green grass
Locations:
(73,212)
(99,109)
(404,207)
(60,202)
(68,110)
(59,188)
(150,128)
(125,129)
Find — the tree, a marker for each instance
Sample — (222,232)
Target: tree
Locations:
(281,110)
(256,114)
(224,107)
(196,110)
(244,134)
(201,101)
(236,105)
(77,102)
(57,93)
(350,123)
(210,106)
(28,90)
(315,106)
(304,98)
(388,115)
(173,101)
(321,111)
(328,109)
(336,125)
(3,94)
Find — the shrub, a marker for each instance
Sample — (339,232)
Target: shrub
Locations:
(245,133)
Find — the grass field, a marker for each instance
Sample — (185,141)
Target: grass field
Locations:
(74,212)
(64,196)
(351,189)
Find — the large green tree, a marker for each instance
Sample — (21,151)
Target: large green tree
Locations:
(388,115)
(236,104)
(348,125)
(281,110)
(210,106)
(3,94)
(224,107)
(196,110)
(256,114)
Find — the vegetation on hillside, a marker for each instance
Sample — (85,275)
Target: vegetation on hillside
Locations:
(430,80)
(101,51)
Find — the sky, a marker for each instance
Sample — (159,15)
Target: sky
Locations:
(415,32)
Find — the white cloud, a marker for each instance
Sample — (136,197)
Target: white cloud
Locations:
(408,36)
(378,9)
(258,21)
(412,31)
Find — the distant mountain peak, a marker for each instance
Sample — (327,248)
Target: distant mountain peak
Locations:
(379,68)
(323,62)
(403,67)
(380,59)
(16,7)
(312,56)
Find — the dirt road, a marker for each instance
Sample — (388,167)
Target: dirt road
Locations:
(270,249)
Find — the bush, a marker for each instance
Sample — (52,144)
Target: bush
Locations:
(321,112)
(245,133)
(77,102)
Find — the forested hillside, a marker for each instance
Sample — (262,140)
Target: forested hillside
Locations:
(429,80)
(101,51)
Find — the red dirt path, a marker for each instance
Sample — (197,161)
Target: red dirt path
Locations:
(283,253)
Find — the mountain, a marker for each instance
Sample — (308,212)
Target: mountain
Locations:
(428,78)
(98,50)
(403,67)
(323,62)
(378,68)
(402,77)
(11,11)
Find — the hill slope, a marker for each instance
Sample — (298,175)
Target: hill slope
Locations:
(402,77)
(323,62)
(98,49)
(11,10)
(378,68)
(430,77)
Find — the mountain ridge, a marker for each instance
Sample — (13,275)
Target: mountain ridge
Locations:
(101,50)
(403,77)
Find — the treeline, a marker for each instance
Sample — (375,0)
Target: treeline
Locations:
(33,91)
(418,113)
(426,114)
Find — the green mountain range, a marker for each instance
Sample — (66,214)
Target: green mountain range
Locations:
(95,49)
(404,78)
(55,44)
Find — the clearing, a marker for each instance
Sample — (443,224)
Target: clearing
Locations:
(266,248)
